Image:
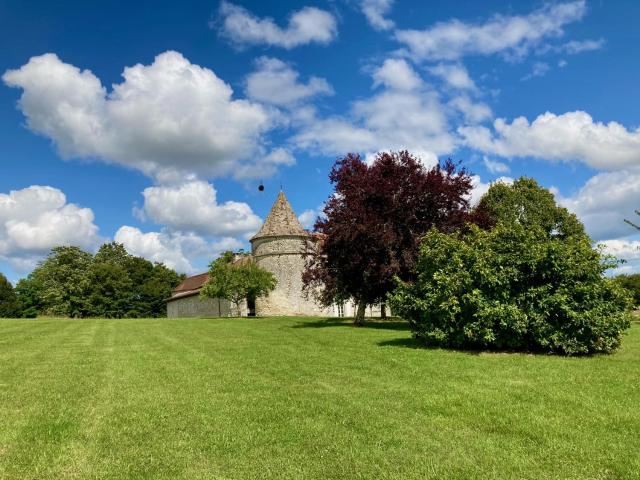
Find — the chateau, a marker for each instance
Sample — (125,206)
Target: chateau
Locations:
(277,247)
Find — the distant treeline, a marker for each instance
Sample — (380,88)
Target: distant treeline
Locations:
(73,283)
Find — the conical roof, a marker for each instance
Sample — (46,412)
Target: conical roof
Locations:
(281,220)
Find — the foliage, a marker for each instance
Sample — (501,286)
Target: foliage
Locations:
(631,282)
(237,280)
(9,303)
(111,284)
(526,203)
(64,281)
(304,398)
(109,294)
(532,283)
(373,222)
(29,292)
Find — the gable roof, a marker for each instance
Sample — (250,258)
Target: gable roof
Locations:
(192,285)
(281,220)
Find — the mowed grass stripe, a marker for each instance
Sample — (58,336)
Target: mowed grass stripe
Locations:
(303,398)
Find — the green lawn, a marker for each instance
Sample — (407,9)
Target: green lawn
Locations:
(303,398)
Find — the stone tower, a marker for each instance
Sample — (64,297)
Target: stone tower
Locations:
(278,247)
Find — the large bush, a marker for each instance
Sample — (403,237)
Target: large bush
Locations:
(531,283)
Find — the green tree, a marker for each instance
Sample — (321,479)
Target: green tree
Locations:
(111,283)
(630,282)
(237,280)
(64,281)
(532,282)
(9,303)
(526,203)
(29,291)
(155,289)
(109,293)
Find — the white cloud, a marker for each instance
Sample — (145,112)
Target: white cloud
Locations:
(168,119)
(573,47)
(275,82)
(626,250)
(398,117)
(510,35)
(539,69)
(375,11)
(37,218)
(622,249)
(397,74)
(603,203)
(176,250)
(307,25)
(308,217)
(566,137)
(193,207)
(454,75)
(473,112)
(494,166)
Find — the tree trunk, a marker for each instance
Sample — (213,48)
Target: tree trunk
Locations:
(383,310)
(359,318)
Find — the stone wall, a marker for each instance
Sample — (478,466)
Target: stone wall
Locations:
(198,307)
(282,256)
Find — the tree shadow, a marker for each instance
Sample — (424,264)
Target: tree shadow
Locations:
(407,342)
(392,324)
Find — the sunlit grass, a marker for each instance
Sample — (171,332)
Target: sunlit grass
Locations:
(285,398)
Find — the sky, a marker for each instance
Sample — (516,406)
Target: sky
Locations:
(152,123)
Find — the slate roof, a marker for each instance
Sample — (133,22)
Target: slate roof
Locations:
(280,221)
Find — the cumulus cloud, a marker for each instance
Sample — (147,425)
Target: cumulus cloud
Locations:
(566,137)
(401,116)
(308,217)
(622,249)
(37,218)
(494,166)
(603,203)
(307,25)
(176,250)
(274,82)
(454,75)
(168,119)
(626,250)
(193,207)
(511,35)
(396,74)
(473,111)
(375,11)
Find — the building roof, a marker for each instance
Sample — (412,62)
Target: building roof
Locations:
(281,221)
(192,285)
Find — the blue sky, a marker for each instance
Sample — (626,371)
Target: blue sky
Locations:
(153,123)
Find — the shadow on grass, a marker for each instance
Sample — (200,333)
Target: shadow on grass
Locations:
(408,342)
(374,324)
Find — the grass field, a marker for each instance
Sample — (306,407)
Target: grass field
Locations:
(303,398)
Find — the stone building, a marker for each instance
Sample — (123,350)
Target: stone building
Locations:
(277,247)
